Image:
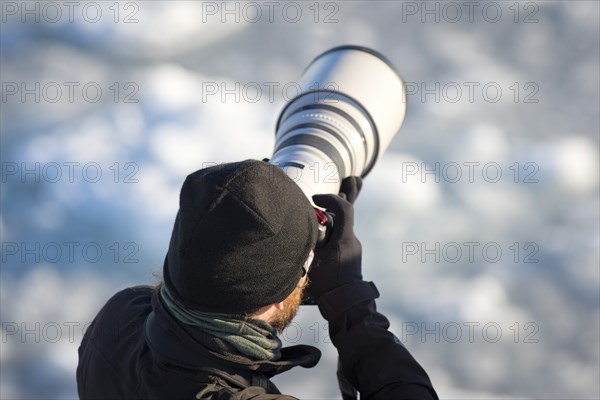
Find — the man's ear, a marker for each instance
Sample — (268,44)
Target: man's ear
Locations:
(278,306)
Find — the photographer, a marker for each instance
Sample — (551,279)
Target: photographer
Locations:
(237,268)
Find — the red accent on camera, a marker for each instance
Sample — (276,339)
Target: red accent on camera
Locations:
(321,216)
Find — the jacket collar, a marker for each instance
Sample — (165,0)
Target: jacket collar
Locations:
(191,348)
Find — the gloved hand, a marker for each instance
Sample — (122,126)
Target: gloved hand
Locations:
(350,188)
(338,262)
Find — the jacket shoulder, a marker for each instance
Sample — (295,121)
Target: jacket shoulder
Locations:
(123,311)
(131,295)
(113,346)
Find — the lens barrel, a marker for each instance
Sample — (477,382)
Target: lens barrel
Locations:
(351,105)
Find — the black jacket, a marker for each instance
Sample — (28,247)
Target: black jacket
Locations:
(135,349)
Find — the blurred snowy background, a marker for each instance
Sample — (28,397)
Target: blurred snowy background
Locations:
(492,281)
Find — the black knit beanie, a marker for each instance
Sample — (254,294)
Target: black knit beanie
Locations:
(240,240)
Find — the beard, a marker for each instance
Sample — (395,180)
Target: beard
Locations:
(290,307)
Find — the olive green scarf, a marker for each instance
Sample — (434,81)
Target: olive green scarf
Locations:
(254,338)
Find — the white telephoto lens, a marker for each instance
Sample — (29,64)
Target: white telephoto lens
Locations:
(351,106)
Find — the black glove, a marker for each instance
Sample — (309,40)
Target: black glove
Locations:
(350,188)
(338,262)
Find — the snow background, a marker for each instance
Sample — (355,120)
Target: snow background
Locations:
(172,130)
